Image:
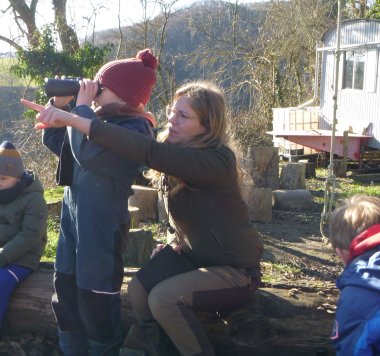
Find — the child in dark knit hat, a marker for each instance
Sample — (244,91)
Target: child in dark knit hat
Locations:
(23,222)
(89,264)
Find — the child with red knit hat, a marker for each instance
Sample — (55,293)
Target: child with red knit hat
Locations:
(23,222)
(89,265)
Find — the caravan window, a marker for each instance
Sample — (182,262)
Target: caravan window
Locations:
(354,64)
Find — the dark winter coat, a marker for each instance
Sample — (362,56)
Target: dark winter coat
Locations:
(95,204)
(211,218)
(357,326)
(23,226)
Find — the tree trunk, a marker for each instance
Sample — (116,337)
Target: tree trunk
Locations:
(28,15)
(67,35)
(273,322)
(30,308)
(146,199)
(262,164)
(340,168)
(293,176)
(259,201)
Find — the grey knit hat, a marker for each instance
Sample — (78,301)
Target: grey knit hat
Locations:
(11,163)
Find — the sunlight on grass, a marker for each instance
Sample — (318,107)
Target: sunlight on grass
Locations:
(51,246)
(277,272)
(345,187)
(7,79)
(53,195)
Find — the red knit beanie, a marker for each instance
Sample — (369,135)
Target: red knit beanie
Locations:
(133,79)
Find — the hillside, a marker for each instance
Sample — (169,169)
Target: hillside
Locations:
(196,42)
(10,109)
(191,35)
(12,89)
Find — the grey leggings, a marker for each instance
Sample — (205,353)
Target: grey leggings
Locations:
(173,301)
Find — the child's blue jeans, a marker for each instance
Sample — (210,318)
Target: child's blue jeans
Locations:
(10,277)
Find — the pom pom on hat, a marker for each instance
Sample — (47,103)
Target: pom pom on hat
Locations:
(11,163)
(131,79)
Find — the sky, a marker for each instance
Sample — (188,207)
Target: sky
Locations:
(83,13)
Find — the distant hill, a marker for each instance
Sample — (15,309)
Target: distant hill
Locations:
(186,43)
(185,48)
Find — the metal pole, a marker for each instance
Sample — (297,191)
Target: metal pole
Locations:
(336,84)
(331,179)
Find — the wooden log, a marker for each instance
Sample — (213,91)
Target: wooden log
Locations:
(296,199)
(259,201)
(30,307)
(162,214)
(309,168)
(139,245)
(340,168)
(134,215)
(273,322)
(54,208)
(292,176)
(262,165)
(145,198)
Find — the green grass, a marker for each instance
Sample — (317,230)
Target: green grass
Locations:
(7,79)
(51,246)
(53,195)
(277,272)
(344,188)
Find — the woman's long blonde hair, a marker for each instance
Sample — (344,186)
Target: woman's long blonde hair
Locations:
(208,102)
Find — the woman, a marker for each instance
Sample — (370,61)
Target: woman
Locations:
(199,177)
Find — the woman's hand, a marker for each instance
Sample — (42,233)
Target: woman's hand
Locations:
(176,248)
(159,247)
(49,116)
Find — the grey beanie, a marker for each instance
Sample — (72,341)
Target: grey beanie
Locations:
(11,163)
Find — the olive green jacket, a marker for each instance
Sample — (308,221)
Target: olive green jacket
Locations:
(23,227)
(211,219)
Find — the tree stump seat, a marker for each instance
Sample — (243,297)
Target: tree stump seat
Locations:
(54,208)
(146,199)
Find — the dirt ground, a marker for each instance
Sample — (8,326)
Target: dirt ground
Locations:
(296,259)
(296,305)
(296,254)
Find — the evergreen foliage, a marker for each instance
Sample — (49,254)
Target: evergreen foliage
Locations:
(45,60)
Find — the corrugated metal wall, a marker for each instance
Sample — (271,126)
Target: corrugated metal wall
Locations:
(358,109)
(354,32)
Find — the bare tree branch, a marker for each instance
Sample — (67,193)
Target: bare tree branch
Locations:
(10,42)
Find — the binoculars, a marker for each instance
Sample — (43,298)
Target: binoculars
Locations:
(64,87)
